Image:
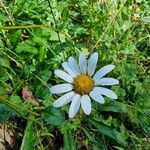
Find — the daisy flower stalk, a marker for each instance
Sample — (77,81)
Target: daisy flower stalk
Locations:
(83,84)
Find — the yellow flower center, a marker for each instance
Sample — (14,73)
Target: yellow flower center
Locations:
(83,84)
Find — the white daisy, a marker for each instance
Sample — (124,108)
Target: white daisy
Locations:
(82,84)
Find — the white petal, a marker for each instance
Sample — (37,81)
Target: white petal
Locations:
(63,75)
(63,99)
(75,105)
(74,66)
(92,62)
(106,92)
(97,97)
(68,69)
(69,100)
(61,88)
(107,81)
(86,104)
(83,63)
(103,71)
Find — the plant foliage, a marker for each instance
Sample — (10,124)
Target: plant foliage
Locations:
(37,36)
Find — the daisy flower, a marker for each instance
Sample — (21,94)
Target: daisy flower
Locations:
(82,84)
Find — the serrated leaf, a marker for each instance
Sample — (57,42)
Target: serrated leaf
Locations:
(4,62)
(39,40)
(15,37)
(26,46)
(54,36)
(146,19)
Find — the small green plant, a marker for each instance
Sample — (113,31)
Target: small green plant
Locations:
(37,37)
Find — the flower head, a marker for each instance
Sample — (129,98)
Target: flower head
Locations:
(82,84)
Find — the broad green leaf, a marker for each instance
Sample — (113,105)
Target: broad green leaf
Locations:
(5,113)
(53,116)
(69,143)
(28,139)
(113,106)
(15,99)
(109,132)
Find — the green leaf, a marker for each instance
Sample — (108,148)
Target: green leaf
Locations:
(88,135)
(109,132)
(68,137)
(68,140)
(99,145)
(5,113)
(28,139)
(126,25)
(15,37)
(54,36)
(113,107)
(53,116)
(118,148)
(146,19)
(15,99)
(2,90)
(26,46)
(96,144)
(130,49)
(4,62)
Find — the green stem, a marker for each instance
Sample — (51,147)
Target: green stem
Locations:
(24,27)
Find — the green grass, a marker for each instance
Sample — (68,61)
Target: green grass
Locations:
(37,36)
